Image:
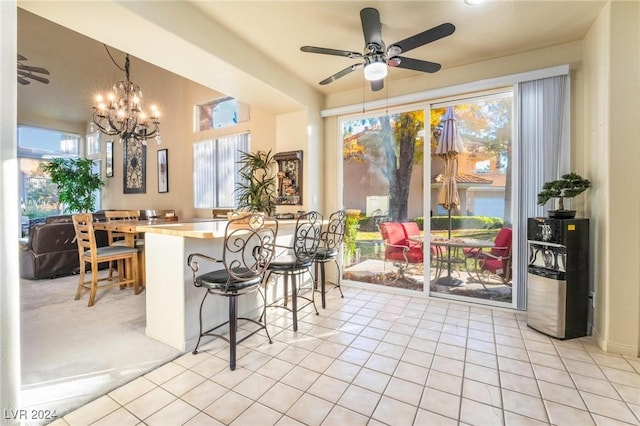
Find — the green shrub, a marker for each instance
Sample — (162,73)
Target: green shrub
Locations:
(441,223)
(352,224)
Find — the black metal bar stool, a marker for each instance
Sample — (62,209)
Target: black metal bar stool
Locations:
(248,249)
(328,251)
(296,262)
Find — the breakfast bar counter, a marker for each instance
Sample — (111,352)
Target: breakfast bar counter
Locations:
(172,301)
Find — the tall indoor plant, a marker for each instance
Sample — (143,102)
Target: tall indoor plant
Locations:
(568,186)
(256,190)
(76,183)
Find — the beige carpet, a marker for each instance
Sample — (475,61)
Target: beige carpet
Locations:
(72,354)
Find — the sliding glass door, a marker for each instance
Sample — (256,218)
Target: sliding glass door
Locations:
(383,172)
(471,199)
(387,187)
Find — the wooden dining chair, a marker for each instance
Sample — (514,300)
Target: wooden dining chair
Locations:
(118,238)
(89,253)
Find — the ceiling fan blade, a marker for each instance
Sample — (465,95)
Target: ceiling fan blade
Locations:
(371,26)
(377,85)
(340,74)
(23,81)
(33,69)
(417,64)
(336,52)
(433,34)
(34,77)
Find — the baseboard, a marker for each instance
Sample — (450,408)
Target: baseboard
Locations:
(615,348)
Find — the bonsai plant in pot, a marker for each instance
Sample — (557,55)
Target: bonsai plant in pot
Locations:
(76,183)
(568,186)
(256,191)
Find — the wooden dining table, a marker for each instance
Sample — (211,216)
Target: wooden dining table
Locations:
(130,230)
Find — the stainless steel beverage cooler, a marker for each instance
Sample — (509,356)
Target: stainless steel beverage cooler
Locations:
(558,276)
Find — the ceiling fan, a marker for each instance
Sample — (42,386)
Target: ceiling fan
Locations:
(26,72)
(377,57)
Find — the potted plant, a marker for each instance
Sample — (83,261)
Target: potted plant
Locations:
(76,183)
(568,186)
(256,191)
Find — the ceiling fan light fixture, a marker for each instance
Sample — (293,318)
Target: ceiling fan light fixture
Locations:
(375,71)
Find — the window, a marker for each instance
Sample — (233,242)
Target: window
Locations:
(94,152)
(220,113)
(215,170)
(483,166)
(38,196)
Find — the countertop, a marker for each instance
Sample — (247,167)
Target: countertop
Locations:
(196,229)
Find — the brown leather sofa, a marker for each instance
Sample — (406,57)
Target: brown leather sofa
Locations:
(51,249)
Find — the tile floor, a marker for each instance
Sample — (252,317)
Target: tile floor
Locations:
(375,358)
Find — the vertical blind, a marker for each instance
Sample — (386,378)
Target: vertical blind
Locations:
(215,170)
(544,115)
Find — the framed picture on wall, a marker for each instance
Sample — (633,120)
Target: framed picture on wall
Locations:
(163,170)
(135,167)
(109,161)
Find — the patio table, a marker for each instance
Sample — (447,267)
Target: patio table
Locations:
(446,258)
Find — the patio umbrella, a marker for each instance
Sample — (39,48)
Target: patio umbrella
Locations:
(449,146)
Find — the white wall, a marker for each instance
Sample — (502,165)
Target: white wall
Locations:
(612,103)
(293,134)
(9,222)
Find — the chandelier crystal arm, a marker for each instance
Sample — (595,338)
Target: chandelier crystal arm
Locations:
(121,113)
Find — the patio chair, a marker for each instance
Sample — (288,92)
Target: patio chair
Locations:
(397,247)
(502,239)
(411,229)
(495,263)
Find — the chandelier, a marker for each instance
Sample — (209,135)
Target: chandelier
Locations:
(120,112)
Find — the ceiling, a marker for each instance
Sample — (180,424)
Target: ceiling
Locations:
(278,30)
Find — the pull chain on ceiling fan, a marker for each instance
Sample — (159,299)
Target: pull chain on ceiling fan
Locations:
(26,72)
(377,57)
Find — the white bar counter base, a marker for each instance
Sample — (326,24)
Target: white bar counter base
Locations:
(172,301)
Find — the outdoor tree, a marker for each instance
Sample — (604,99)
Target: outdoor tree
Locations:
(394,152)
(392,144)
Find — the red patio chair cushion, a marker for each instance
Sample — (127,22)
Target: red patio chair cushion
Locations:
(502,243)
(396,241)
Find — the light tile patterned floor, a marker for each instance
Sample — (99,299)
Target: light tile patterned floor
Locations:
(375,358)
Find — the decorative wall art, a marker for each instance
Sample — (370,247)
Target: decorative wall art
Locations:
(109,161)
(163,170)
(135,167)
(289,177)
